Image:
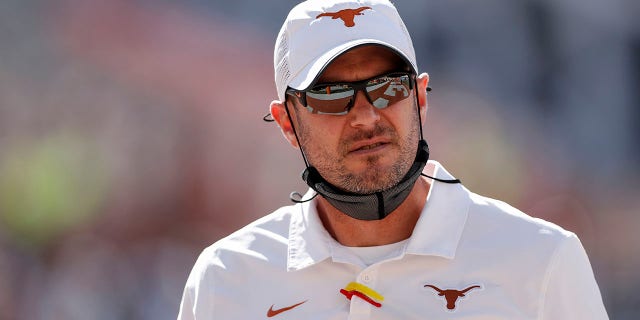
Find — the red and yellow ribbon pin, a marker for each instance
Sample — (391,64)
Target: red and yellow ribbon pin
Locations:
(363,292)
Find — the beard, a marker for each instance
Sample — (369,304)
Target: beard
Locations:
(374,177)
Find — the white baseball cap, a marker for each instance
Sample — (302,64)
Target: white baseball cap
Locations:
(317,31)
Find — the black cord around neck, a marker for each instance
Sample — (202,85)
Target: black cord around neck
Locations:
(296,197)
(451,181)
(268,118)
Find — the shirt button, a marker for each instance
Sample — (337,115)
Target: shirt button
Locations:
(366,278)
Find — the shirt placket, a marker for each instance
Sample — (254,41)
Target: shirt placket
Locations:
(360,308)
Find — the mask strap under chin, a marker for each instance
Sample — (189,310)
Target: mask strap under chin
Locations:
(452,181)
(418,108)
(306,163)
(295,196)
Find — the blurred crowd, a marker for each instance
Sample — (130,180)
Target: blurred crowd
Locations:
(131,136)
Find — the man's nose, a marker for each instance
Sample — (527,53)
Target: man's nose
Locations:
(363,113)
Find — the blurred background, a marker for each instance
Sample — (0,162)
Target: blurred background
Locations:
(131,136)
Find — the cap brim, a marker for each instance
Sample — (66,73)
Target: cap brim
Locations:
(311,72)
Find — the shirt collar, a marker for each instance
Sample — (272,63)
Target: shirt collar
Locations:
(309,241)
(439,228)
(437,231)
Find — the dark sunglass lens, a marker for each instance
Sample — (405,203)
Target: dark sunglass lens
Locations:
(387,90)
(329,99)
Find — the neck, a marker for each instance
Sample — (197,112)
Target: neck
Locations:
(396,227)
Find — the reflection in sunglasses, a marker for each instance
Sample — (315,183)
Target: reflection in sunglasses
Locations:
(338,98)
(393,93)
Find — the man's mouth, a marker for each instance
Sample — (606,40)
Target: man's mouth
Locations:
(370,146)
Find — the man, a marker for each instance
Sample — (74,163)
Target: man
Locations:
(382,233)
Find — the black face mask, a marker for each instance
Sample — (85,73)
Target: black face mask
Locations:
(374,206)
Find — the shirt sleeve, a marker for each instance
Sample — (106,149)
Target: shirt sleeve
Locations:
(196,297)
(187,309)
(570,290)
(186,305)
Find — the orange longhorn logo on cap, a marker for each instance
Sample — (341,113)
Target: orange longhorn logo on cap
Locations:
(346,15)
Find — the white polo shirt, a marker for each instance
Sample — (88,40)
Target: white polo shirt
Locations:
(470,257)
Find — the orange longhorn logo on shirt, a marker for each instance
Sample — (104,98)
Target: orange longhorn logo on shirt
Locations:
(451,295)
(346,15)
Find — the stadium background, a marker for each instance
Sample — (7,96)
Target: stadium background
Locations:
(131,136)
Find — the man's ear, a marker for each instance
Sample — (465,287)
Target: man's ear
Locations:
(279,114)
(423,83)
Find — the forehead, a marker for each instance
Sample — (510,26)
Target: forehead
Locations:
(362,63)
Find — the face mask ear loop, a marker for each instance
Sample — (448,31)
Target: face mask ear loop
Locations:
(295,196)
(306,163)
(418,108)
(452,181)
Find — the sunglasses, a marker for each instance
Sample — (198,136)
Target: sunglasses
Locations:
(337,98)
